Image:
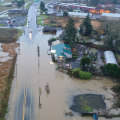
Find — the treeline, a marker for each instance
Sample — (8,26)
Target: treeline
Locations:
(112,31)
(111,70)
(20,3)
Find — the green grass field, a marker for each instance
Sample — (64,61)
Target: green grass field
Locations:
(40,19)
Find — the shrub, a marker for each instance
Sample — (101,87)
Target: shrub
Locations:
(111,70)
(75,72)
(85,75)
(116,88)
(78,73)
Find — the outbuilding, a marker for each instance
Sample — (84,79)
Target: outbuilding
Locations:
(109,57)
(110,16)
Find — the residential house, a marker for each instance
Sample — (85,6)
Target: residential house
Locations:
(61,50)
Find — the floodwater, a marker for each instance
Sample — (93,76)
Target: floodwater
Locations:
(33,73)
(4,56)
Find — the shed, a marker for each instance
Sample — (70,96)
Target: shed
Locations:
(109,57)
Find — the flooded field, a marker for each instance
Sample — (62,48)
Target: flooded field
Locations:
(32,74)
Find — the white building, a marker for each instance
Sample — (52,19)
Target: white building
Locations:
(78,14)
(56,42)
(109,57)
(110,16)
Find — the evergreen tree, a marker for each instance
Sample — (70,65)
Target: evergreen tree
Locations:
(85,61)
(70,31)
(86,27)
(115,1)
(20,3)
(65,14)
(94,2)
(42,6)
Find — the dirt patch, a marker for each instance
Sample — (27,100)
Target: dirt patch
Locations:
(10,48)
(8,35)
(63,21)
(6,76)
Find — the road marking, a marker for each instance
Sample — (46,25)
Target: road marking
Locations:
(24,103)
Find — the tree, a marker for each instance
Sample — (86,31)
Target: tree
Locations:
(112,70)
(78,73)
(86,27)
(42,6)
(115,1)
(112,36)
(85,61)
(20,3)
(70,31)
(94,2)
(65,14)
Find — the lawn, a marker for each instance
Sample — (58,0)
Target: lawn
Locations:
(40,19)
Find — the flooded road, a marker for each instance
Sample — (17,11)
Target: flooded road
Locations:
(33,73)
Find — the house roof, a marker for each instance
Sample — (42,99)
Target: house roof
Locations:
(60,49)
(67,51)
(67,46)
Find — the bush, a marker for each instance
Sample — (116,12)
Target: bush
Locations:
(111,70)
(85,75)
(78,73)
(116,88)
(75,72)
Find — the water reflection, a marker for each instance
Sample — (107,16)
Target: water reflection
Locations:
(30,36)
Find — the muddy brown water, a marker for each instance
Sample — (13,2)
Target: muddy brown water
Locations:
(29,78)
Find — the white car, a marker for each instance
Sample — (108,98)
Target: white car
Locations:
(48,52)
(30,31)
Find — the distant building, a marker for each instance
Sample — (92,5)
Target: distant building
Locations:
(109,57)
(110,16)
(20,12)
(78,14)
(49,29)
(61,50)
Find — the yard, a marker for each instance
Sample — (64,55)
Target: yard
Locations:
(62,21)
(40,19)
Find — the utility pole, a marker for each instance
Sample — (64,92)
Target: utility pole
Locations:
(38,51)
